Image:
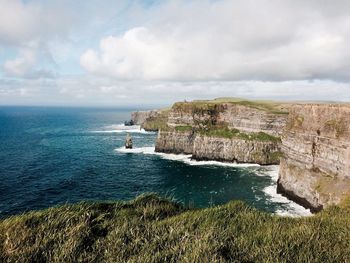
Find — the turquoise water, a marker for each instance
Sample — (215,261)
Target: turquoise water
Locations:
(51,156)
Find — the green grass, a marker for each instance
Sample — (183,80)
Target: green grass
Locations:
(234,133)
(225,132)
(153,229)
(156,123)
(273,107)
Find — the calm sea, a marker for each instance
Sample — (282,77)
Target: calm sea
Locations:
(51,156)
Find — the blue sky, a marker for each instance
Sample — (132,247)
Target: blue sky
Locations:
(153,53)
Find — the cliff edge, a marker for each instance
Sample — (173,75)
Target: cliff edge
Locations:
(315,167)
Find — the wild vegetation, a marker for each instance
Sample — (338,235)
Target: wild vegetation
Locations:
(225,132)
(211,105)
(234,133)
(156,123)
(154,229)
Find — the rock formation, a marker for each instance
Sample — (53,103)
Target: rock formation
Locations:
(139,117)
(235,150)
(245,116)
(238,131)
(128,142)
(315,168)
(152,120)
(175,142)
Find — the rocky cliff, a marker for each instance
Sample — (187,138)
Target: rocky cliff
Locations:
(246,116)
(314,154)
(175,142)
(235,150)
(315,169)
(139,117)
(152,120)
(230,131)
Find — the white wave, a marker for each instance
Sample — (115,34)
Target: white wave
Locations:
(121,128)
(217,163)
(291,209)
(144,150)
(186,158)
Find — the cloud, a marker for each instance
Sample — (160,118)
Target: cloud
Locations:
(25,64)
(20,65)
(64,52)
(230,40)
(94,91)
(28,28)
(22,22)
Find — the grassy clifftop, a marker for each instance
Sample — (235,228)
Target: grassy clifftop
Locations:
(153,229)
(273,107)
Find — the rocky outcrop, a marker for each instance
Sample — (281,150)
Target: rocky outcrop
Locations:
(150,120)
(315,168)
(236,131)
(235,150)
(139,117)
(128,142)
(248,119)
(175,142)
(243,115)
(204,147)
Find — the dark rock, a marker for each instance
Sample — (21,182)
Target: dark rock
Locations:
(129,123)
(128,142)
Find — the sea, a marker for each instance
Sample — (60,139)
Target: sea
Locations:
(51,156)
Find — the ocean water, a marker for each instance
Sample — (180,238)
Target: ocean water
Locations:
(52,156)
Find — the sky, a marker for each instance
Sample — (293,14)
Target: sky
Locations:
(149,53)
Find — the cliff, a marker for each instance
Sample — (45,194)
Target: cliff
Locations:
(235,150)
(152,120)
(315,168)
(225,130)
(246,116)
(139,117)
(175,142)
(311,143)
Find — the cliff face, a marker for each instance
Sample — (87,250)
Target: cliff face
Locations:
(175,142)
(235,150)
(152,120)
(248,119)
(242,116)
(219,149)
(139,117)
(315,169)
(238,131)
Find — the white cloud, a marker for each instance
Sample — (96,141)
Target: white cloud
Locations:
(25,64)
(22,22)
(174,50)
(20,65)
(230,40)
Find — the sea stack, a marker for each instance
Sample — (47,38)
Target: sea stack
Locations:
(128,142)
